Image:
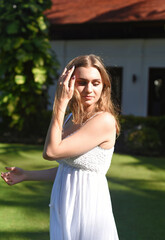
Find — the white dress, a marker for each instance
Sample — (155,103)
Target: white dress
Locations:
(80,206)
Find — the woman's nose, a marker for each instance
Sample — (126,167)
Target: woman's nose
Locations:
(88,87)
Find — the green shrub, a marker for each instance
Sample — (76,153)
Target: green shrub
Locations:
(142,135)
(28,65)
(145,140)
(34,131)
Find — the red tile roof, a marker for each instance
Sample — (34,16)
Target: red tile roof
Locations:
(81,11)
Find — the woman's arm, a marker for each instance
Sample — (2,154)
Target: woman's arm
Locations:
(17,175)
(41,175)
(64,94)
(100,129)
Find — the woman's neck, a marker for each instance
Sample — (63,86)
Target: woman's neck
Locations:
(90,109)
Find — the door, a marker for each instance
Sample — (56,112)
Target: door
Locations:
(156,98)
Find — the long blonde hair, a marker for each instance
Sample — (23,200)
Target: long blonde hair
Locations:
(105,102)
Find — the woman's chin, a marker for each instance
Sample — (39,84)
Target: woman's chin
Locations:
(88,106)
(87,103)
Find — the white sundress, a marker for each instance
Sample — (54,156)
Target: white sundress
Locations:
(80,205)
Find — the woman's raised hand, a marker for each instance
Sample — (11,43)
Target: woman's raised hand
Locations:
(15,175)
(66,85)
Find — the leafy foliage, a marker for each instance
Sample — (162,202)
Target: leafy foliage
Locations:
(27,63)
(142,135)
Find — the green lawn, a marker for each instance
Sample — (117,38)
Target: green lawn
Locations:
(137,186)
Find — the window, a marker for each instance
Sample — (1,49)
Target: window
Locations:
(116,74)
(156,97)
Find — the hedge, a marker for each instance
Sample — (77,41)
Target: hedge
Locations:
(142,135)
(139,135)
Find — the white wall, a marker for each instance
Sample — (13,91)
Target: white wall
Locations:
(136,56)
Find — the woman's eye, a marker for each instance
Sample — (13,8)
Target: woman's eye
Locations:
(96,83)
(81,83)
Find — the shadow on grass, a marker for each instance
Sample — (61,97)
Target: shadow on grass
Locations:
(29,200)
(138,211)
(29,194)
(151,163)
(24,235)
(15,151)
(16,148)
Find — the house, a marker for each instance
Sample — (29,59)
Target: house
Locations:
(130,37)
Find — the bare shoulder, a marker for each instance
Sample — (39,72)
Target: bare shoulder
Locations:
(104,120)
(107,116)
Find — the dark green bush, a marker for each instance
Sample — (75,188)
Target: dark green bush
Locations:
(34,131)
(28,65)
(143,140)
(139,135)
(142,135)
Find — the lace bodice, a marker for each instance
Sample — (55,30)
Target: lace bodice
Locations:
(96,160)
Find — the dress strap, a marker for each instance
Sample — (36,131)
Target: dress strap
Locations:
(97,113)
(67,119)
(70,114)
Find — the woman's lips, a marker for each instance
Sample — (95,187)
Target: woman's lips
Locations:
(88,97)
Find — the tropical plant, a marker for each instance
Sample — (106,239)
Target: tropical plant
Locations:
(27,64)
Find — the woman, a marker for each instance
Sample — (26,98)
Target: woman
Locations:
(80,206)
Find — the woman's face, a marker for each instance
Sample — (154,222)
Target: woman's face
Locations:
(89,85)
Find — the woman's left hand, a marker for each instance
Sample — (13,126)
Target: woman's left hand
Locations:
(66,85)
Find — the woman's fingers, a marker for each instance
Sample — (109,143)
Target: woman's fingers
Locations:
(68,75)
(2,174)
(65,70)
(72,83)
(62,77)
(7,178)
(4,177)
(66,84)
(10,168)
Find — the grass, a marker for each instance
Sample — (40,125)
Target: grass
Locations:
(137,187)
(24,211)
(138,195)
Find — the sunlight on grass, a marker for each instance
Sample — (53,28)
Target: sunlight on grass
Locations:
(24,211)
(137,187)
